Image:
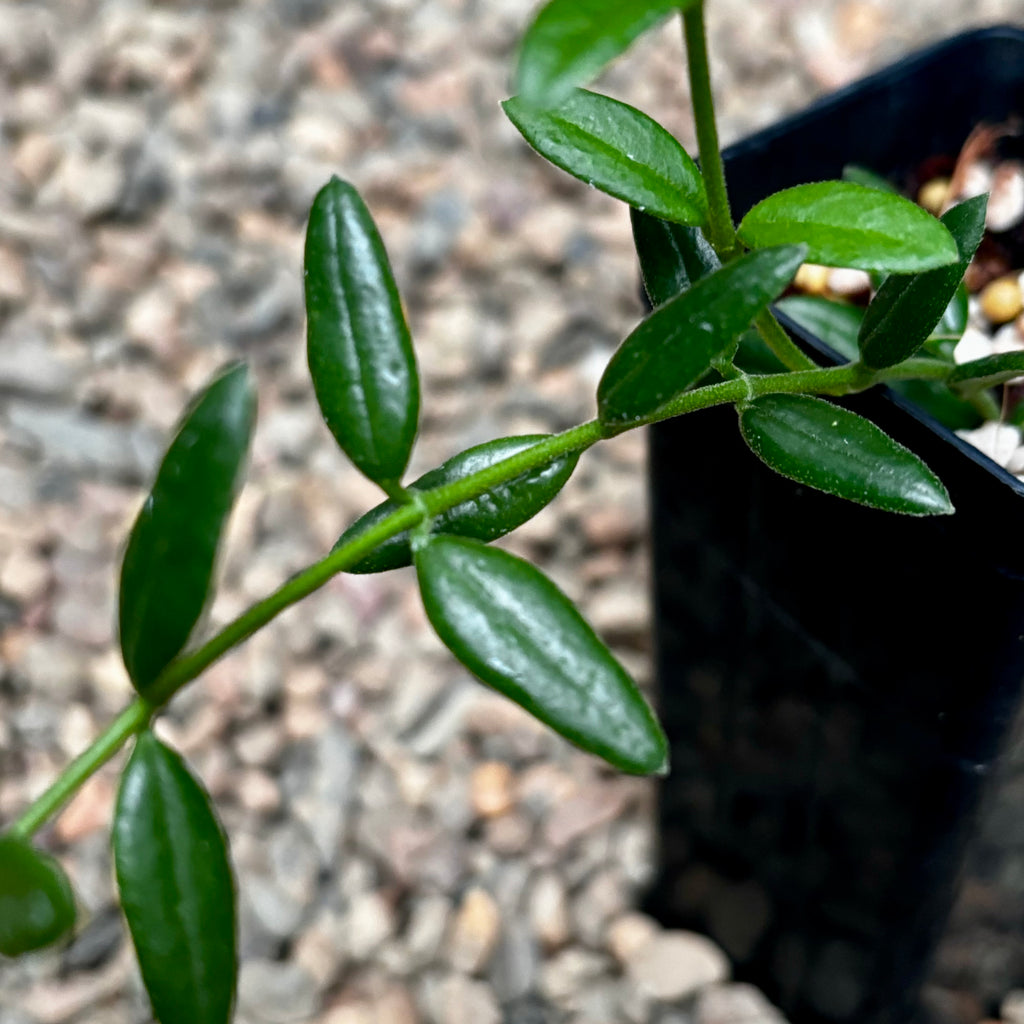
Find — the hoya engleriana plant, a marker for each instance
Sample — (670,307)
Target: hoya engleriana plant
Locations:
(712,339)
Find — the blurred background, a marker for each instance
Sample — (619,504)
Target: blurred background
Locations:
(410,848)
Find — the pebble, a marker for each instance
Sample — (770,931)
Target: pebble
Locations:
(627,933)
(1001,300)
(491,789)
(548,908)
(672,965)
(276,992)
(933,195)
(735,1003)
(1011,1009)
(371,920)
(475,932)
(456,999)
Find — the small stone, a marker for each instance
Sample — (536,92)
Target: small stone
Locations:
(257,791)
(627,933)
(973,344)
(548,908)
(510,834)
(571,971)
(999,441)
(491,789)
(603,896)
(460,1000)
(35,158)
(593,806)
(1006,201)
(1001,300)
(735,1004)
(88,812)
(25,576)
(371,921)
(513,968)
(277,992)
(675,964)
(14,281)
(475,932)
(90,184)
(1012,1007)
(812,278)
(848,283)
(258,745)
(933,195)
(428,923)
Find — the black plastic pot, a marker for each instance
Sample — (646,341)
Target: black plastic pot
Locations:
(839,684)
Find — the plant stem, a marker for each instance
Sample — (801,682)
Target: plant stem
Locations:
(721,232)
(783,347)
(837,380)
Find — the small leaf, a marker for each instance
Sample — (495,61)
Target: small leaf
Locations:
(492,514)
(987,372)
(936,399)
(831,449)
(168,564)
(570,41)
(835,323)
(907,307)
(176,887)
(511,626)
(862,176)
(848,225)
(677,344)
(37,906)
(358,345)
(617,149)
(672,257)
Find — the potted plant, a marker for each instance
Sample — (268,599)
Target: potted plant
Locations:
(711,280)
(837,685)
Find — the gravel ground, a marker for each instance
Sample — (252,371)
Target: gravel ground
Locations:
(410,849)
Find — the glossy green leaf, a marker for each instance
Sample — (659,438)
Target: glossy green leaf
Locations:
(570,41)
(848,225)
(176,887)
(862,176)
(512,627)
(987,372)
(677,344)
(954,319)
(831,449)
(357,342)
(936,399)
(907,307)
(617,149)
(835,323)
(672,257)
(167,572)
(492,514)
(37,906)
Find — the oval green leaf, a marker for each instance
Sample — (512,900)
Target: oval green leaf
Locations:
(850,225)
(988,372)
(176,887)
(907,308)
(617,149)
(512,627)
(490,515)
(679,342)
(37,906)
(357,342)
(167,572)
(837,324)
(570,41)
(672,257)
(834,450)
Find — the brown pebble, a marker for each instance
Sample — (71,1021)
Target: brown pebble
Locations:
(812,279)
(1001,301)
(491,789)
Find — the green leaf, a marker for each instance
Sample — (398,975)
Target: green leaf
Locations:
(987,372)
(358,345)
(512,627)
(672,257)
(835,323)
(848,225)
(862,176)
(37,906)
(831,449)
(937,400)
(492,514)
(176,887)
(570,41)
(617,149)
(907,307)
(677,344)
(167,572)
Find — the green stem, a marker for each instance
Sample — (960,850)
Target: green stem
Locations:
(721,232)
(781,344)
(423,505)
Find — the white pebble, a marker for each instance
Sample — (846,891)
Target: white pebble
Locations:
(973,345)
(998,441)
